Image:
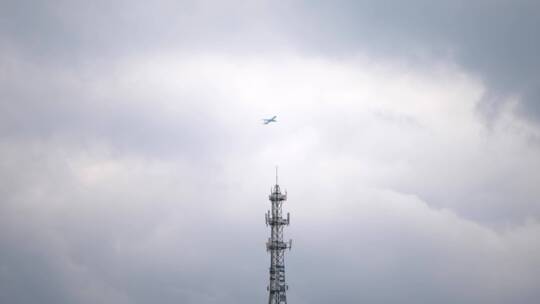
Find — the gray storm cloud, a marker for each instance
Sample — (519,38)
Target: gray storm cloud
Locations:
(493,39)
(134,168)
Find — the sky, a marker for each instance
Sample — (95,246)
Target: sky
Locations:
(134,167)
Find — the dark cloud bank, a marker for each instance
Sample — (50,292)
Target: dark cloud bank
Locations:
(494,39)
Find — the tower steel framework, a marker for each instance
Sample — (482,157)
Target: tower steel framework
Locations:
(276,246)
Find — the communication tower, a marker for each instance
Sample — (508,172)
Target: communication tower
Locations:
(276,246)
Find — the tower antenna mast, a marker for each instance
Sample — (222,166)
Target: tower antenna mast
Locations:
(276,246)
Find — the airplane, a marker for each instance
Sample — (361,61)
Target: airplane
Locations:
(269,120)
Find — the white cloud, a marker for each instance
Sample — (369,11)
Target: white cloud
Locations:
(156,183)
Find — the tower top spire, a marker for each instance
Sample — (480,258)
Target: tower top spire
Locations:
(276,175)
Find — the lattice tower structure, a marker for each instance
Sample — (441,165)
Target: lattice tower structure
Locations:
(276,246)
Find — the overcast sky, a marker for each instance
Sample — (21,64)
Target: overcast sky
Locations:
(134,167)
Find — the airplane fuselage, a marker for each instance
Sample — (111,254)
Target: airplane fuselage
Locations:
(269,120)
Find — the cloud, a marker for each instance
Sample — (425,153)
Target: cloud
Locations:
(134,168)
(145,180)
(495,41)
